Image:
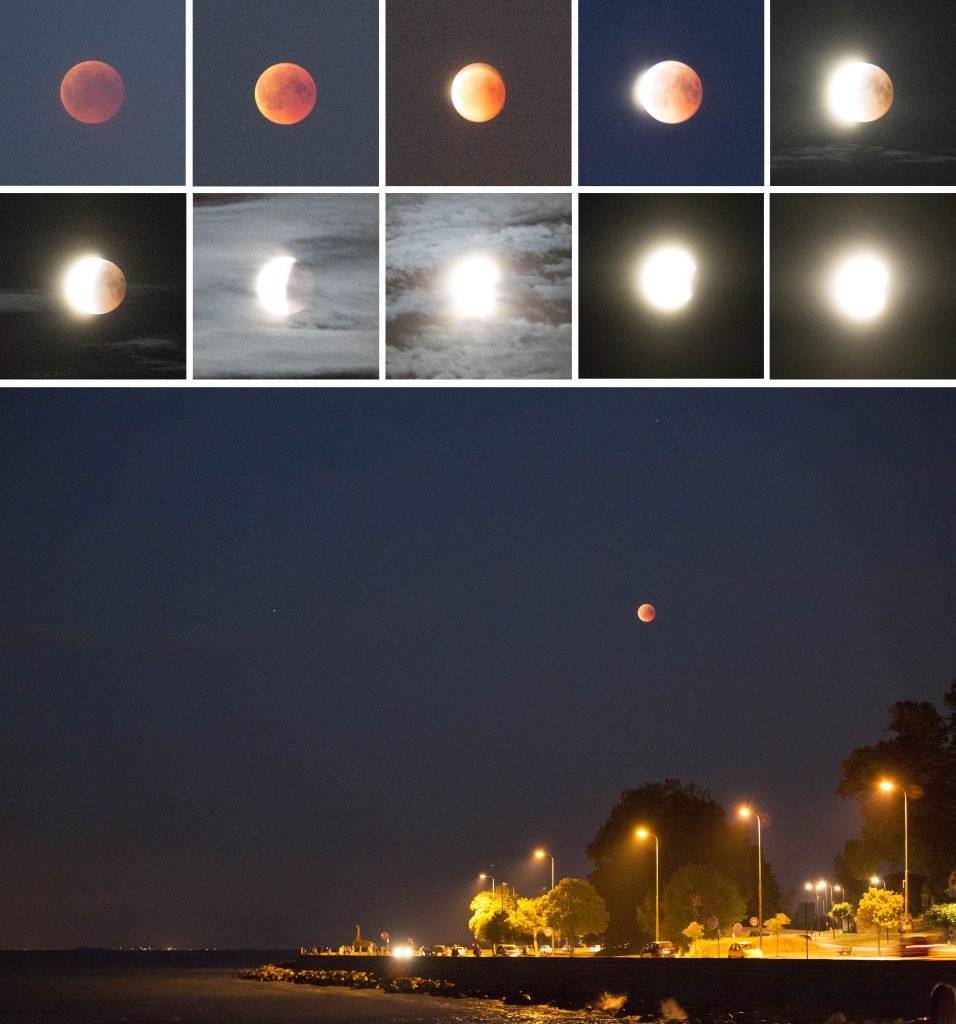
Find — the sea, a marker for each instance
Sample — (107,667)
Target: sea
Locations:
(203,987)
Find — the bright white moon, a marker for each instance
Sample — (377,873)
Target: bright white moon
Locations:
(473,287)
(859,92)
(94,285)
(667,278)
(859,287)
(283,287)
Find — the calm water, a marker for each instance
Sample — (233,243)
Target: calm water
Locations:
(203,988)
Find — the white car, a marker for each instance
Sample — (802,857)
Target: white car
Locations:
(508,949)
(744,951)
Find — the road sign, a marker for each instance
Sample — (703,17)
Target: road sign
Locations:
(384,936)
(754,922)
(712,924)
(549,931)
(738,928)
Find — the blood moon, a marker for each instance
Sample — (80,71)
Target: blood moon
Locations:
(646,612)
(670,92)
(92,91)
(94,285)
(859,92)
(285,93)
(478,92)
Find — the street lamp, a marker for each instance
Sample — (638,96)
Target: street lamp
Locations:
(748,812)
(874,881)
(541,854)
(888,786)
(809,888)
(642,834)
(483,876)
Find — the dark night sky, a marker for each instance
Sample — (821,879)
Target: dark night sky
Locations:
(336,41)
(719,334)
(278,661)
(144,144)
(914,143)
(913,336)
(623,145)
(428,142)
(144,235)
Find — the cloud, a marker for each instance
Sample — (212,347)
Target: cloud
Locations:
(24,302)
(336,238)
(851,154)
(528,236)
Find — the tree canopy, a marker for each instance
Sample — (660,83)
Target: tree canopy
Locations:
(920,755)
(692,828)
(574,908)
(699,891)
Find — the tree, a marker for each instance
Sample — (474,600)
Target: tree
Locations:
(693,933)
(491,915)
(574,908)
(943,915)
(692,828)
(919,754)
(701,891)
(880,908)
(776,924)
(528,919)
(841,910)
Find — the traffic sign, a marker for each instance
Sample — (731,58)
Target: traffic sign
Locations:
(738,928)
(712,924)
(549,931)
(384,936)
(754,922)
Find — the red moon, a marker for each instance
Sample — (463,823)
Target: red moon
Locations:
(92,92)
(646,612)
(478,92)
(285,93)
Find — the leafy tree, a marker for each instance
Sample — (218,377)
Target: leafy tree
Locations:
(574,908)
(919,754)
(776,924)
(693,933)
(880,908)
(692,828)
(702,891)
(943,915)
(528,919)
(491,915)
(841,910)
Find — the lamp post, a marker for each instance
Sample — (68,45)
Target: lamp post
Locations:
(874,881)
(748,812)
(808,886)
(541,854)
(888,786)
(483,876)
(642,834)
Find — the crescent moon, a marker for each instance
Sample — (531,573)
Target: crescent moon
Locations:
(272,285)
(94,285)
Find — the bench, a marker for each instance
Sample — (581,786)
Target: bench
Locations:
(845,950)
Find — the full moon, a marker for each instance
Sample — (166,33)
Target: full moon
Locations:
(283,287)
(859,92)
(91,92)
(646,612)
(94,285)
(474,287)
(667,277)
(859,286)
(285,93)
(478,92)
(670,91)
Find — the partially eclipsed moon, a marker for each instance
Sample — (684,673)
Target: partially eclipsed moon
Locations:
(478,92)
(283,287)
(859,92)
(670,91)
(94,285)
(474,287)
(859,287)
(646,612)
(667,278)
(92,92)
(285,93)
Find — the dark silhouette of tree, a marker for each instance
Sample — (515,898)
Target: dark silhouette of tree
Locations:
(693,829)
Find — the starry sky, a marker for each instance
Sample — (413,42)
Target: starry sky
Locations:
(144,235)
(334,238)
(912,338)
(718,334)
(428,142)
(144,144)
(276,662)
(620,144)
(528,236)
(336,41)
(914,143)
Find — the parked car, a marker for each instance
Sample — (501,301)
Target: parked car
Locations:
(659,949)
(744,951)
(508,949)
(545,949)
(621,949)
(437,950)
(757,931)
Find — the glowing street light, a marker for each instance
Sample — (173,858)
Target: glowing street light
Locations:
(541,854)
(483,877)
(746,812)
(642,834)
(888,786)
(874,881)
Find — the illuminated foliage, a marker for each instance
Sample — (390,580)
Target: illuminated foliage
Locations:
(574,909)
